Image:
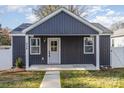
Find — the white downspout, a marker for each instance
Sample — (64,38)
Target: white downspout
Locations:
(97,53)
(27,51)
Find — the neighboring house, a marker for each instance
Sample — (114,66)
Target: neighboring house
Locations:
(62,38)
(118,38)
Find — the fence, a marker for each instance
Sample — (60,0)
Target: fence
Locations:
(117,57)
(5,57)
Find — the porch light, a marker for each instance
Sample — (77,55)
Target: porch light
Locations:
(44,39)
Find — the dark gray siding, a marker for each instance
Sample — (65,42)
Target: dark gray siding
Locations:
(18,48)
(38,59)
(105,50)
(71,52)
(62,24)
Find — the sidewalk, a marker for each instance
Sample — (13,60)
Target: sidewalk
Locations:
(51,80)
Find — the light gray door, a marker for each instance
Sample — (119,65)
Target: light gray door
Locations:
(53,53)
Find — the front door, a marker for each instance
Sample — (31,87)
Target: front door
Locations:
(53,50)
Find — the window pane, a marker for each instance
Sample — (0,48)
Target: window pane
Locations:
(35,50)
(33,42)
(88,48)
(38,42)
(54,48)
(89,41)
(53,43)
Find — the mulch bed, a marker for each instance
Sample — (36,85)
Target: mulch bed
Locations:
(13,70)
(19,69)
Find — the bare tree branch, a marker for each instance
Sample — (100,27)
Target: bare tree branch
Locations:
(117,25)
(44,10)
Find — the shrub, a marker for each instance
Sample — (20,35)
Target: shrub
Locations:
(19,62)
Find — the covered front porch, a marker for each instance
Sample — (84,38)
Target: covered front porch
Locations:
(62,52)
(63,67)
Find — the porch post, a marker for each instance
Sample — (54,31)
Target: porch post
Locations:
(97,53)
(27,51)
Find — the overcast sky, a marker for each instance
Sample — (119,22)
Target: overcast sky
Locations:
(12,16)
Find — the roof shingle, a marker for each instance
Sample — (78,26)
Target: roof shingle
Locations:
(21,27)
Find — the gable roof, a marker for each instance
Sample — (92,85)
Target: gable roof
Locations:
(20,28)
(25,27)
(66,11)
(104,29)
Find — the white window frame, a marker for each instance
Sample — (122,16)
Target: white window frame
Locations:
(39,46)
(88,45)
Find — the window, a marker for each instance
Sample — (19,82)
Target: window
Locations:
(54,46)
(88,45)
(112,42)
(34,46)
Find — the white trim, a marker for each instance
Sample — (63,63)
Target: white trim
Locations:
(65,34)
(58,50)
(110,52)
(47,50)
(88,45)
(35,46)
(12,50)
(27,50)
(97,53)
(58,11)
(105,34)
(57,34)
(17,34)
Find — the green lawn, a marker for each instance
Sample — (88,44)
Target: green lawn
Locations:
(21,79)
(93,79)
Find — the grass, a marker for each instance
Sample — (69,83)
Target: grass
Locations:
(93,79)
(28,79)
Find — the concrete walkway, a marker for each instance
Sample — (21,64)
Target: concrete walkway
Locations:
(51,80)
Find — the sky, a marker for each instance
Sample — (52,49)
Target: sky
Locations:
(13,15)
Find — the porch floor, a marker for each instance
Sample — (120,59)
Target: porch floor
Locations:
(63,67)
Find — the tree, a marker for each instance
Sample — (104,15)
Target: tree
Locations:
(117,25)
(44,10)
(4,40)
(4,36)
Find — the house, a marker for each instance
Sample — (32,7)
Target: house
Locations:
(118,38)
(62,38)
